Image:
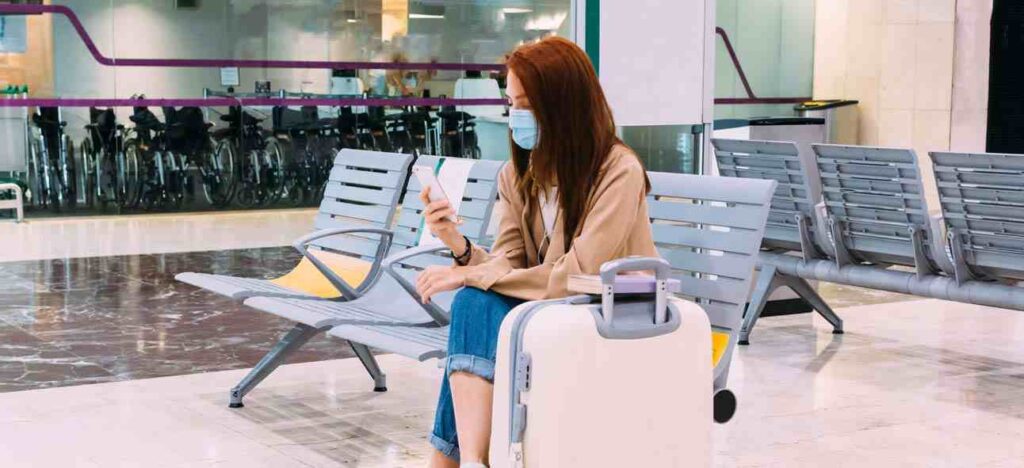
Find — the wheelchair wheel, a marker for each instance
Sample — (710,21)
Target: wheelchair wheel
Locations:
(450,146)
(218,171)
(37,195)
(274,171)
(88,180)
(248,194)
(295,181)
(68,171)
(470,147)
(176,177)
(105,176)
(131,175)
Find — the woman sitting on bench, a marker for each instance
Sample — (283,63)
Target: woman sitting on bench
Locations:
(573,198)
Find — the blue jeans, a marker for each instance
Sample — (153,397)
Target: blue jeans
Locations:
(472,347)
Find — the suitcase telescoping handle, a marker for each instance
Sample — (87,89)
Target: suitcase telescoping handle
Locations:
(611,269)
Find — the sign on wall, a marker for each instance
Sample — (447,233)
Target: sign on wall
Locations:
(229,76)
(13,34)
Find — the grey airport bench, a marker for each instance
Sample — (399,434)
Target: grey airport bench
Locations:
(381,300)
(708,228)
(358,207)
(793,224)
(880,231)
(982,200)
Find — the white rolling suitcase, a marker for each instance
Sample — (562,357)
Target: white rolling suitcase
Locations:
(621,383)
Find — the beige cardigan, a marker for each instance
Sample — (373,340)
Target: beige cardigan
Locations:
(616,225)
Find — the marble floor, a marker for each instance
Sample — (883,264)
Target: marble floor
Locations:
(106,361)
(103,319)
(915,383)
(95,236)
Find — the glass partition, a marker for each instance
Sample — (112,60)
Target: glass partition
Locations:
(667,148)
(462,31)
(292,143)
(773,43)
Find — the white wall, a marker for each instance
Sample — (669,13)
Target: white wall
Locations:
(970,75)
(657,60)
(919,67)
(896,58)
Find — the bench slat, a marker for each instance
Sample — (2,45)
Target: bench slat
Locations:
(373,159)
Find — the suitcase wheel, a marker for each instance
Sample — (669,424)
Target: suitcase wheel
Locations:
(724,405)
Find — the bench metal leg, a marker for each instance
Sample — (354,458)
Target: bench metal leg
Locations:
(768,280)
(762,290)
(20,209)
(803,289)
(370,363)
(293,340)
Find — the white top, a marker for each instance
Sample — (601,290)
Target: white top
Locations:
(549,210)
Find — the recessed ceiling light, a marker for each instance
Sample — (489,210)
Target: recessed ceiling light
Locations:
(515,10)
(350,20)
(424,16)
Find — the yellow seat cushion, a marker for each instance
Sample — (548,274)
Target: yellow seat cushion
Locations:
(719,341)
(305,277)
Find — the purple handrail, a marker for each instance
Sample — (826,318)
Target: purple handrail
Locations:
(10,9)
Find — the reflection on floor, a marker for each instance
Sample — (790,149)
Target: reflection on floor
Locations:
(920,383)
(838,295)
(102,319)
(145,234)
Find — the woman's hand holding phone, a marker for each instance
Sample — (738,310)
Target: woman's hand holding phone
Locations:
(438,216)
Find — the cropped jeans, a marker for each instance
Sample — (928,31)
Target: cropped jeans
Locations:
(472,347)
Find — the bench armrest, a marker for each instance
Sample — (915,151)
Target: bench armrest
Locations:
(348,292)
(821,233)
(435,311)
(937,243)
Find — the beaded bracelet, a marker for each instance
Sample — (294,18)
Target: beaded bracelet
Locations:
(463,259)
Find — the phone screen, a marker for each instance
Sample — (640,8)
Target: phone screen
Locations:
(427,178)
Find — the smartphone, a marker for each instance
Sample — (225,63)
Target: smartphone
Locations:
(427,178)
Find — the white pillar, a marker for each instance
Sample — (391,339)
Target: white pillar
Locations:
(657,60)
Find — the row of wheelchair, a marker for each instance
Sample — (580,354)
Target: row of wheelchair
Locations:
(872,217)
(166,164)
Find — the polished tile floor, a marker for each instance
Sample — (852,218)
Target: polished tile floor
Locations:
(103,319)
(106,361)
(918,383)
(95,236)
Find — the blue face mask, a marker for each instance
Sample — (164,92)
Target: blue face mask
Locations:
(524,128)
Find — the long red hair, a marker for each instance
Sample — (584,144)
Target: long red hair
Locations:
(577,130)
